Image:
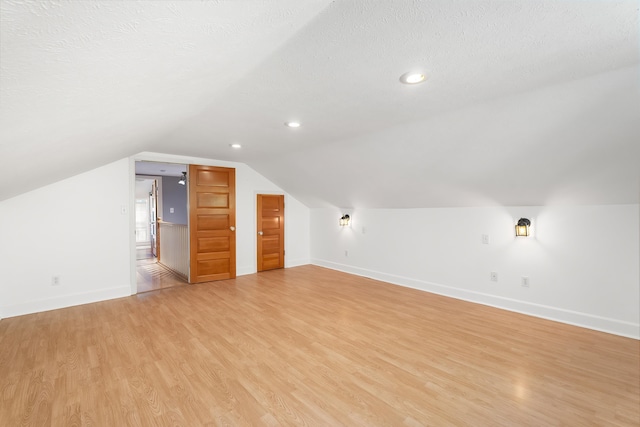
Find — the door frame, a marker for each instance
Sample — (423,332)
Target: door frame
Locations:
(129,208)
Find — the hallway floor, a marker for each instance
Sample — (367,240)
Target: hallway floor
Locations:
(153,276)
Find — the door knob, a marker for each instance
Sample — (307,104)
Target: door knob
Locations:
(260,233)
(232,228)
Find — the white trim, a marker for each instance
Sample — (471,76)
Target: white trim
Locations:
(243,271)
(65,301)
(296,262)
(598,323)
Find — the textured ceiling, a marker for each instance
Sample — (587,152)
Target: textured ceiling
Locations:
(526,102)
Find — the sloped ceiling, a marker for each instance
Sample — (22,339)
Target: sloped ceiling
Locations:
(525,103)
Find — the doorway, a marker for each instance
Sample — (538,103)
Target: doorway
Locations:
(157,189)
(200,247)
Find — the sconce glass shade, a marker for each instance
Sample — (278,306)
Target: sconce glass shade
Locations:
(522,227)
(344,221)
(183,179)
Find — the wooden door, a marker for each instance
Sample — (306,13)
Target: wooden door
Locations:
(212,223)
(270,231)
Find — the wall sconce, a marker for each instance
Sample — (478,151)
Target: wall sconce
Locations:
(183,180)
(522,227)
(344,221)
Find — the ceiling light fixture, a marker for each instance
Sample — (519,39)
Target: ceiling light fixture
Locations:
(183,179)
(236,146)
(344,221)
(292,124)
(412,78)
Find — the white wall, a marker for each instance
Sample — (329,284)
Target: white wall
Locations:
(582,262)
(74,229)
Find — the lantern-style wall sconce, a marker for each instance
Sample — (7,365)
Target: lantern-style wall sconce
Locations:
(344,221)
(522,227)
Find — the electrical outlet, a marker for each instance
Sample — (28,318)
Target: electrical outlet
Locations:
(55,280)
(485,239)
(493,276)
(525,282)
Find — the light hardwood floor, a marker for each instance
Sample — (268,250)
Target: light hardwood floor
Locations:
(309,346)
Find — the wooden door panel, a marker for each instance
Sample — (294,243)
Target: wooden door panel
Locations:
(212,223)
(212,200)
(217,269)
(213,244)
(270,203)
(270,244)
(271,261)
(212,178)
(270,223)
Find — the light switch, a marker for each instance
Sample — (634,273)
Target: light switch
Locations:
(170,210)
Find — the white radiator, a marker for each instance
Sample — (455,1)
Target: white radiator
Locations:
(174,247)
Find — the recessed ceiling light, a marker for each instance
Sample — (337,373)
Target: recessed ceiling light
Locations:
(412,78)
(236,146)
(292,124)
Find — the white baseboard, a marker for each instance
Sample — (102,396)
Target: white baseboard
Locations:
(242,271)
(288,263)
(585,320)
(64,301)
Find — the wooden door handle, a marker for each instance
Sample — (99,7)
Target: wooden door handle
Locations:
(232,228)
(260,233)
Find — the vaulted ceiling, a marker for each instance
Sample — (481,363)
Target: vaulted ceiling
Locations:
(526,102)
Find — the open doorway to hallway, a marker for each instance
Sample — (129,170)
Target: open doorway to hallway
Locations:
(160,220)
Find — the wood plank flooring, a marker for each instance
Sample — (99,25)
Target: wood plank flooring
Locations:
(309,346)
